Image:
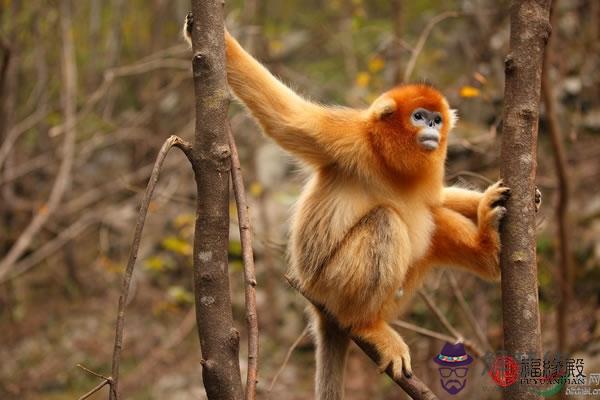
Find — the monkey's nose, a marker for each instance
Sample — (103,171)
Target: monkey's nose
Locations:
(429,138)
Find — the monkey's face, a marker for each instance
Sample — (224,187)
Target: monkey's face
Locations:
(410,128)
(429,125)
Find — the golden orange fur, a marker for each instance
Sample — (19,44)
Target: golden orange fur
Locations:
(374,217)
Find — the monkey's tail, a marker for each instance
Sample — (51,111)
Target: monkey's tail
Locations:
(332,349)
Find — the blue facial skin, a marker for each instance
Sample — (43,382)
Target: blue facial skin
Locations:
(429,124)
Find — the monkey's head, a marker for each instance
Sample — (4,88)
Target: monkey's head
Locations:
(409,128)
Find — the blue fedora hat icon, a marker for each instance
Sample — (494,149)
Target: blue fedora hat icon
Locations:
(453,355)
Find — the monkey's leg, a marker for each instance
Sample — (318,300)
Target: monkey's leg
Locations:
(359,283)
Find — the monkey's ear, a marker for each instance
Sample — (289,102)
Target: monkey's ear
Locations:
(453,117)
(383,106)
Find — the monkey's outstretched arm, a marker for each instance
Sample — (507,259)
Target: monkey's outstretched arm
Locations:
(319,135)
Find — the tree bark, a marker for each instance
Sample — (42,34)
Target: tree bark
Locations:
(219,340)
(529,32)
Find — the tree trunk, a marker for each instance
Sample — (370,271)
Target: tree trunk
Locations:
(529,32)
(219,340)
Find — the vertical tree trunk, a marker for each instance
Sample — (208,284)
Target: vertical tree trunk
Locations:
(529,32)
(219,340)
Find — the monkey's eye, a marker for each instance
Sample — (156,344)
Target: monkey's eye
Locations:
(438,120)
(418,116)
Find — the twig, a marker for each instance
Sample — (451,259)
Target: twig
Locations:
(60,185)
(286,359)
(410,66)
(249,270)
(89,371)
(440,316)
(413,386)
(475,350)
(95,389)
(106,380)
(468,313)
(139,227)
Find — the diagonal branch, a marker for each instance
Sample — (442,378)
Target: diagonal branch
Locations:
(440,316)
(423,39)
(439,336)
(413,386)
(468,313)
(249,271)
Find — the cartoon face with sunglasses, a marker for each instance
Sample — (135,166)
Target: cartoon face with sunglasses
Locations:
(453,361)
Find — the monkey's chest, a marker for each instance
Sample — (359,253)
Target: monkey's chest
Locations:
(353,233)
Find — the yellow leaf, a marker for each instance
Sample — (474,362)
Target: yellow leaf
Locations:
(276,46)
(177,245)
(376,64)
(180,295)
(256,189)
(155,263)
(469,91)
(183,220)
(363,79)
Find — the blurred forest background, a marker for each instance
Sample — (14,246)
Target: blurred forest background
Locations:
(89,91)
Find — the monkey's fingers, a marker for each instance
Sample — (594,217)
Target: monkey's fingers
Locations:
(538,199)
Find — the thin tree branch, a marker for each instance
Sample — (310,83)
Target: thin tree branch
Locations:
(95,389)
(413,386)
(286,359)
(410,66)
(105,381)
(440,316)
(172,141)
(472,347)
(249,270)
(467,312)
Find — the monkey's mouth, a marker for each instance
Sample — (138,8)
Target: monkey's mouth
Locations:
(429,139)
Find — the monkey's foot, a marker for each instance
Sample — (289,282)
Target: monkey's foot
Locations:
(393,352)
(493,204)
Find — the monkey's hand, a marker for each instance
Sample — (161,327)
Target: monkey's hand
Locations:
(492,206)
(188,25)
